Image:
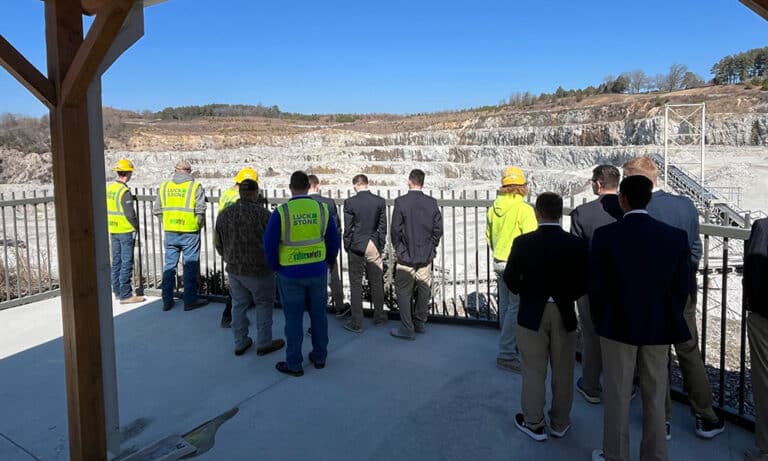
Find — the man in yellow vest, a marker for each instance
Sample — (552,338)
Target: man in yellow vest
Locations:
(232,194)
(181,203)
(229,197)
(123,222)
(300,243)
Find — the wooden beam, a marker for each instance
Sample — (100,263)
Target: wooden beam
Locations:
(26,73)
(758,6)
(91,7)
(89,56)
(75,229)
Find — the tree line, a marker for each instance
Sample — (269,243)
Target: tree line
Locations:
(749,67)
(741,67)
(241,110)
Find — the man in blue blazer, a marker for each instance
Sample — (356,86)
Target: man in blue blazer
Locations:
(546,268)
(678,211)
(638,269)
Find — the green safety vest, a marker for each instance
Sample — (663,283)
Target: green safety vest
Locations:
(303,223)
(178,204)
(228,197)
(118,223)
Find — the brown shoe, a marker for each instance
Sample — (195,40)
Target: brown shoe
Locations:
(275,345)
(133,300)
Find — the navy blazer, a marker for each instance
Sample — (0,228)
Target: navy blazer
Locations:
(638,281)
(756,268)
(365,219)
(547,262)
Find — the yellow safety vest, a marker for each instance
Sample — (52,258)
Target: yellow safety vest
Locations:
(118,223)
(303,223)
(228,197)
(178,204)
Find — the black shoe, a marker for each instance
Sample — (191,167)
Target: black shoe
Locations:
(708,430)
(275,345)
(282,367)
(244,347)
(396,333)
(167,306)
(318,365)
(199,303)
(420,328)
(538,435)
(344,311)
(226,322)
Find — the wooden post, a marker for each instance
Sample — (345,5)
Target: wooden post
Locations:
(75,238)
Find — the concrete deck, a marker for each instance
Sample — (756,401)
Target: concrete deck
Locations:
(440,397)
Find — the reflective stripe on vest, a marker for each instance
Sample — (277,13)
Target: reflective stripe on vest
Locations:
(178,204)
(118,223)
(228,197)
(303,223)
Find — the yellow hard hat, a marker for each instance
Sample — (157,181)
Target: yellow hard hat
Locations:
(246,173)
(513,176)
(123,165)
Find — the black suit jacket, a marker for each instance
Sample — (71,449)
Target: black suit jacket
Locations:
(638,287)
(331,203)
(586,218)
(365,219)
(417,226)
(547,262)
(756,268)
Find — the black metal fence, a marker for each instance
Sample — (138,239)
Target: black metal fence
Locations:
(464,289)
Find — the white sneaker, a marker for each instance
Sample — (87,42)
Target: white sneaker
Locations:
(559,434)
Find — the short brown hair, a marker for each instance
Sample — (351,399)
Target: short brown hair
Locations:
(360,179)
(642,165)
(514,189)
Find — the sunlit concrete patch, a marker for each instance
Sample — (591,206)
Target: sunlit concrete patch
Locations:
(204,436)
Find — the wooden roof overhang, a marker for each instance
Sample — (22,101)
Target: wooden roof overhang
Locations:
(72,92)
(758,6)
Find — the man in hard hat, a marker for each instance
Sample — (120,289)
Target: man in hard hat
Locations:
(123,222)
(229,197)
(508,218)
(181,203)
(232,195)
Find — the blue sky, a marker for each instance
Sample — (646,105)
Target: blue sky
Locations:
(395,56)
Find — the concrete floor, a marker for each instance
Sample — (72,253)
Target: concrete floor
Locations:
(437,398)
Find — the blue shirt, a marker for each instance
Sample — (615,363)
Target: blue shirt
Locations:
(272,237)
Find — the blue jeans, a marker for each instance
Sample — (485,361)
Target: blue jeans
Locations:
(258,291)
(509,304)
(297,294)
(122,264)
(188,245)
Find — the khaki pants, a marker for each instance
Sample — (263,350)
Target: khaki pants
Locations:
(695,380)
(757,329)
(591,360)
(372,266)
(619,361)
(551,343)
(413,284)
